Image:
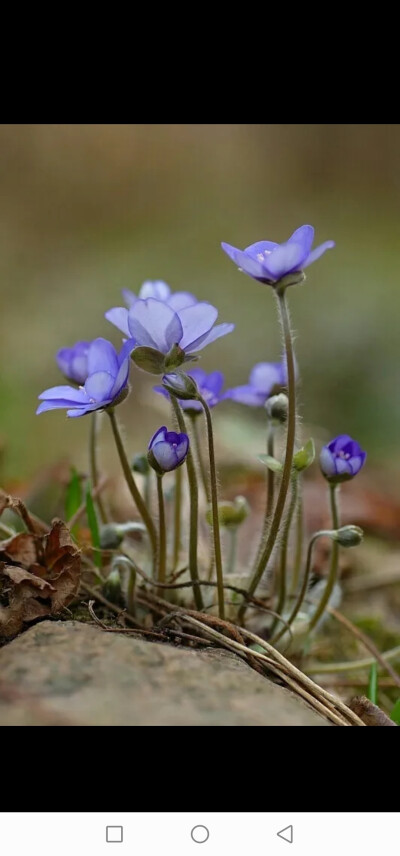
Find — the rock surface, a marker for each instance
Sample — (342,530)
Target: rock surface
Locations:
(67,673)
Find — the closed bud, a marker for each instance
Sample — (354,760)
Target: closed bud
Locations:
(349,536)
(277,408)
(112,587)
(180,385)
(304,457)
(140,465)
(230,514)
(112,534)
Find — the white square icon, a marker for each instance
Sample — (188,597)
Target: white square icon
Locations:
(114,834)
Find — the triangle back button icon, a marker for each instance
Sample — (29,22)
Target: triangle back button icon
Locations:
(286,834)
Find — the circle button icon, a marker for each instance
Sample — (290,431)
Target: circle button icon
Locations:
(200,834)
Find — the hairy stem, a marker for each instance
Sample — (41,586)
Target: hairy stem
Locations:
(232,556)
(194,509)
(214,509)
(283,552)
(287,467)
(202,467)
(177,517)
(162,534)
(334,564)
(94,477)
(270,484)
(298,555)
(133,488)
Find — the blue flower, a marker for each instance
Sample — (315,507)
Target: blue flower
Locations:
(209,386)
(268,262)
(156,289)
(153,324)
(341,459)
(167,450)
(264,379)
(105,385)
(72,362)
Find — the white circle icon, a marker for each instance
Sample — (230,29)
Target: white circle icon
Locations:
(200,834)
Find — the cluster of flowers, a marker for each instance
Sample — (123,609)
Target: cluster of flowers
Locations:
(166,329)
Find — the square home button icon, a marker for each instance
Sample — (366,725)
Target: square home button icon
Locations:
(114,834)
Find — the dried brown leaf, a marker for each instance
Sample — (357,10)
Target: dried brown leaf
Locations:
(370,713)
(21,548)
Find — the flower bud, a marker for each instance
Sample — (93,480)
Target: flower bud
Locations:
(167,450)
(348,536)
(230,514)
(277,408)
(112,587)
(341,459)
(304,457)
(180,385)
(112,534)
(140,465)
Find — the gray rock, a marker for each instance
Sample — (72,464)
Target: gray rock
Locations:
(67,673)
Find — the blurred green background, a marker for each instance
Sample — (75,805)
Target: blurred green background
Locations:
(86,210)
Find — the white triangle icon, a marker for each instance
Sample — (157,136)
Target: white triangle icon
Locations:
(286,834)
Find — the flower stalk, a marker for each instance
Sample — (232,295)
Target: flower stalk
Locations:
(214,508)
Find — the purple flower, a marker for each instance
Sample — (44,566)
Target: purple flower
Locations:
(157,290)
(209,386)
(167,450)
(153,324)
(341,459)
(269,262)
(107,380)
(263,380)
(72,362)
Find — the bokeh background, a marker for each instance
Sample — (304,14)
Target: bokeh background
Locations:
(86,210)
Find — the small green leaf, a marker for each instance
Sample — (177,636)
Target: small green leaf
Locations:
(373,684)
(305,456)
(73,498)
(271,463)
(149,359)
(395,713)
(93,526)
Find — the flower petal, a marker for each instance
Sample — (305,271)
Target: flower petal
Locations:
(285,259)
(245,262)
(180,300)
(303,236)
(154,325)
(260,247)
(98,387)
(215,333)
(102,357)
(156,288)
(54,404)
(342,466)
(318,252)
(165,455)
(66,393)
(327,462)
(158,436)
(357,462)
(82,411)
(161,390)
(245,394)
(264,376)
(118,316)
(129,297)
(339,442)
(199,376)
(196,321)
(214,382)
(122,378)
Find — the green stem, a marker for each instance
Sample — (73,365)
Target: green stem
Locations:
(214,509)
(283,552)
(194,509)
(131,591)
(200,459)
(298,556)
(133,488)
(162,549)
(351,665)
(270,493)
(94,479)
(147,490)
(333,569)
(177,517)
(303,591)
(233,539)
(287,467)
